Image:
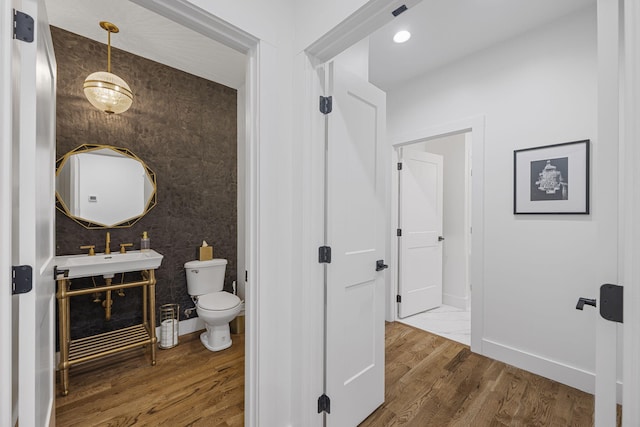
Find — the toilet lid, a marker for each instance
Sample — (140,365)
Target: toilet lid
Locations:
(218,301)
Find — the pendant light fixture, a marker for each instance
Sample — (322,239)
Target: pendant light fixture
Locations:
(104,90)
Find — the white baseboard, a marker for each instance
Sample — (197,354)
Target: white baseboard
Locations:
(560,372)
(186,326)
(455,301)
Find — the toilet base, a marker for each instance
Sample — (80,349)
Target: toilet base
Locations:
(216,338)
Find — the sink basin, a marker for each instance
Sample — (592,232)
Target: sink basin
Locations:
(108,265)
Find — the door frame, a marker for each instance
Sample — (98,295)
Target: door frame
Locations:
(475,126)
(630,200)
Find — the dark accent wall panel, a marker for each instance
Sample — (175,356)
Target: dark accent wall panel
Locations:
(184,128)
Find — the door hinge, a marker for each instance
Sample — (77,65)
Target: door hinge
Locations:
(399,166)
(399,10)
(399,232)
(22,279)
(324,404)
(23,26)
(324,254)
(398,298)
(246,276)
(326,104)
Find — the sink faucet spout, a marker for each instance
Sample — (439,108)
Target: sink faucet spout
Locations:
(107,246)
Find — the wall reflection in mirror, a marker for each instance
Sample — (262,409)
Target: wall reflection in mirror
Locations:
(101,186)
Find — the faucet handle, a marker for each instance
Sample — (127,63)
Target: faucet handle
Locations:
(91,248)
(123,247)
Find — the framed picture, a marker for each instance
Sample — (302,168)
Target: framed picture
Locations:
(553,179)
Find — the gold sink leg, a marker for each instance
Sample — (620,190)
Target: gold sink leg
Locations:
(152,314)
(63,324)
(107,302)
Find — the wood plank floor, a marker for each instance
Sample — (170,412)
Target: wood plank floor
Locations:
(189,386)
(430,381)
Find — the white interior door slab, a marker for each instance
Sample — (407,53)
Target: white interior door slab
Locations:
(8,392)
(356,205)
(420,246)
(33,218)
(610,265)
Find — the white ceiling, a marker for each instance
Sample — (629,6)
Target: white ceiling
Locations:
(442,31)
(151,36)
(446,30)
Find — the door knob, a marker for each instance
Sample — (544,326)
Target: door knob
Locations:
(380,265)
(440,238)
(583,301)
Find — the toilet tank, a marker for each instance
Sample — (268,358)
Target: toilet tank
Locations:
(204,277)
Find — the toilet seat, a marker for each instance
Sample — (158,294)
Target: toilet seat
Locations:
(218,301)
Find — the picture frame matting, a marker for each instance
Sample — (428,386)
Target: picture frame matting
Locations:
(552,179)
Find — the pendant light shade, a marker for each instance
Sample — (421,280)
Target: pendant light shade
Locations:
(104,90)
(108,92)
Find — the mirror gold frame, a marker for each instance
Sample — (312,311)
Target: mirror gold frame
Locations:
(150,202)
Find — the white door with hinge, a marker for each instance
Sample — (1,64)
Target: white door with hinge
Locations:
(607,244)
(7,388)
(420,243)
(355,285)
(32,117)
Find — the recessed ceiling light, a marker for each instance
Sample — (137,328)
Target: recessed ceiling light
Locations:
(402,36)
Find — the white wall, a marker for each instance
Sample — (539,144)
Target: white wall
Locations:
(356,59)
(534,90)
(455,228)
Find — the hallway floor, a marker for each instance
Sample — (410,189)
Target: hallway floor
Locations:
(435,382)
(446,321)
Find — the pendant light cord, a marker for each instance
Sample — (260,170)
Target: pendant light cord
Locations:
(109,51)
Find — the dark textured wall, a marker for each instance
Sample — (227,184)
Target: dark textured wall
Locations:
(184,128)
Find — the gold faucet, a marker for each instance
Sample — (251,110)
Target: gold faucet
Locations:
(107,249)
(91,248)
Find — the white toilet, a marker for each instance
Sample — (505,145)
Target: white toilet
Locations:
(205,280)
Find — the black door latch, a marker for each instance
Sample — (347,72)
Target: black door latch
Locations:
(611,305)
(380,265)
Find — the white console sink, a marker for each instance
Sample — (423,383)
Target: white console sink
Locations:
(107,265)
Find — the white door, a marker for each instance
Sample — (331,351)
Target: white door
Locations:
(356,208)
(610,233)
(33,219)
(420,245)
(7,399)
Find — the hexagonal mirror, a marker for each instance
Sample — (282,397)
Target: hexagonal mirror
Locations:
(100,186)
